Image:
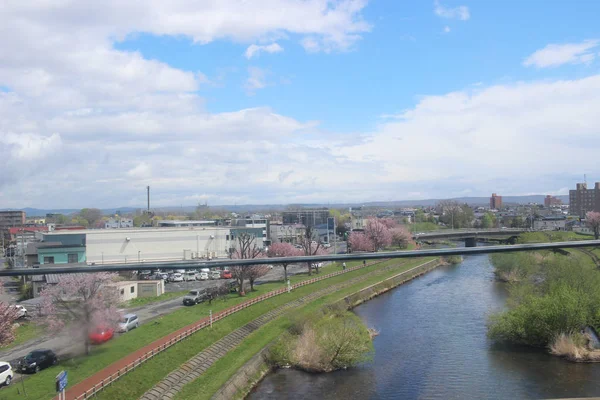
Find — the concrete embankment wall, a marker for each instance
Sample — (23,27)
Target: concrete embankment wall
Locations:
(240,384)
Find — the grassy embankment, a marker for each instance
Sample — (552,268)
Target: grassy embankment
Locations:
(423,227)
(144,301)
(205,386)
(26,331)
(139,381)
(553,297)
(40,386)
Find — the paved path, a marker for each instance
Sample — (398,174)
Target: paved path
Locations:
(196,366)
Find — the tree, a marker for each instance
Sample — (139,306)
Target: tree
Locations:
(91,215)
(80,303)
(8,315)
(488,221)
(455,215)
(358,241)
(400,237)
(378,233)
(246,249)
(283,250)
(388,222)
(310,247)
(592,219)
(254,272)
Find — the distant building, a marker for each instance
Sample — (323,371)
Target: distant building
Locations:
(495,202)
(116,223)
(551,201)
(582,199)
(291,233)
(307,217)
(550,224)
(9,219)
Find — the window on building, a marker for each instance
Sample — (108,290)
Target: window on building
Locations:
(72,258)
(48,260)
(122,292)
(132,289)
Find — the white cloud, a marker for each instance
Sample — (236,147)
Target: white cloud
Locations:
(554,55)
(257,79)
(460,12)
(254,50)
(446,29)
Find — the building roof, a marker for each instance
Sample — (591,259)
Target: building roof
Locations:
(17,230)
(32,247)
(132,230)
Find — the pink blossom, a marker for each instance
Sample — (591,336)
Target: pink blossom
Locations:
(8,315)
(360,242)
(79,303)
(283,250)
(378,233)
(592,219)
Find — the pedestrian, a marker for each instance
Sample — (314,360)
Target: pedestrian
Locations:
(344,266)
(364,263)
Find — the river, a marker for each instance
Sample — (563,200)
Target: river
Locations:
(433,345)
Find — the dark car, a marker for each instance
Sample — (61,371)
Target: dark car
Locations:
(37,360)
(195,296)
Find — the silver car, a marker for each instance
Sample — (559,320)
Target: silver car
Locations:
(129,322)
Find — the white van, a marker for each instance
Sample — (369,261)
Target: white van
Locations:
(189,276)
(215,274)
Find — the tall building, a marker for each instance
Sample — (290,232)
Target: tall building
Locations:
(551,201)
(495,202)
(582,199)
(10,219)
(307,217)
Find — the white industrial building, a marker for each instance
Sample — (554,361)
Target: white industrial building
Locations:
(104,246)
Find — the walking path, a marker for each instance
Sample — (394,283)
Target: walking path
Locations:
(101,377)
(198,364)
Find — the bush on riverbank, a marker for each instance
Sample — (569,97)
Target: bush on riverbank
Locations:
(453,260)
(563,297)
(515,267)
(334,339)
(574,347)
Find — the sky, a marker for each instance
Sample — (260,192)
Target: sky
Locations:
(295,101)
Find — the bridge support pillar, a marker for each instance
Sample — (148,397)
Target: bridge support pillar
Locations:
(470,242)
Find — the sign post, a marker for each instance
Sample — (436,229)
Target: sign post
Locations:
(61,384)
(210,313)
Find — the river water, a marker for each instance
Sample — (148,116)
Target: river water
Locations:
(433,345)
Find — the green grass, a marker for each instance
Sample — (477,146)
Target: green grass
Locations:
(142,301)
(40,386)
(423,227)
(216,376)
(25,332)
(142,379)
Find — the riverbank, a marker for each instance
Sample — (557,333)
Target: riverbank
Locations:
(249,374)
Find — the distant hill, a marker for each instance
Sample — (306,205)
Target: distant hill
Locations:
(249,208)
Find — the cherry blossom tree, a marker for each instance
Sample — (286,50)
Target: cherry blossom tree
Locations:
(400,236)
(8,315)
(388,222)
(358,241)
(254,272)
(283,250)
(378,233)
(79,303)
(592,219)
(246,248)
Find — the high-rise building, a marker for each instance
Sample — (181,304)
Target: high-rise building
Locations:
(551,201)
(582,199)
(9,219)
(495,202)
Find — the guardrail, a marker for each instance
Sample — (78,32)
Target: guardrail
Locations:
(203,324)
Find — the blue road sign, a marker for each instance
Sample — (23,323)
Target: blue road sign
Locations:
(61,381)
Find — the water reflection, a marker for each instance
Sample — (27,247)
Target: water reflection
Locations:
(433,345)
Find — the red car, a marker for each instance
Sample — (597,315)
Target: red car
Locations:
(226,274)
(101,335)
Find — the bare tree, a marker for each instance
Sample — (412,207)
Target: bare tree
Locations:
(246,249)
(310,247)
(255,272)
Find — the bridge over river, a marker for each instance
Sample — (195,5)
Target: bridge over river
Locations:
(471,236)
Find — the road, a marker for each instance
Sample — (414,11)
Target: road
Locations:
(65,348)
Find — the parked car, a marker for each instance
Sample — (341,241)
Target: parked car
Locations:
(6,373)
(177,277)
(21,312)
(215,274)
(194,297)
(189,276)
(327,245)
(316,265)
(203,276)
(129,322)
(37,360)
(101,334)
(226,274)
(163,275)
(180,271)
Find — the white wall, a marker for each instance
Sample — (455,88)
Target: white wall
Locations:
(154,244)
